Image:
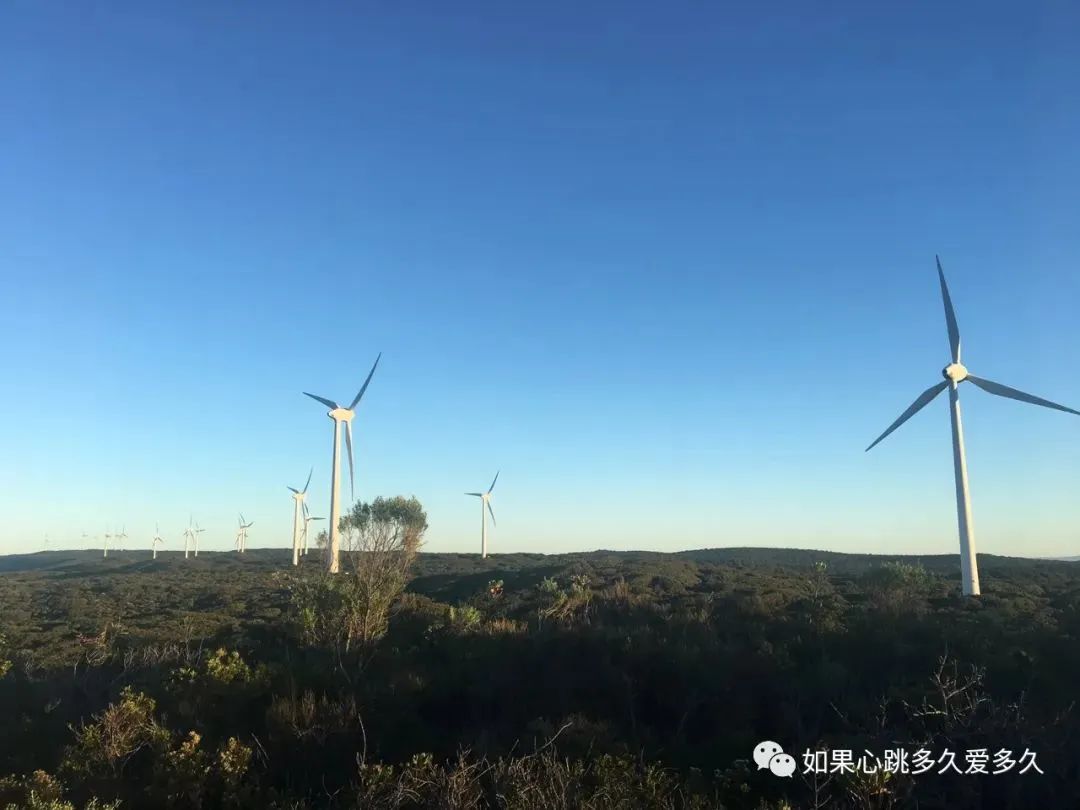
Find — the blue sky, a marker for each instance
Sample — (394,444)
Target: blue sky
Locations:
(668,266)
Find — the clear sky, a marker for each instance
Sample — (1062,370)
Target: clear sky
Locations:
(668,266)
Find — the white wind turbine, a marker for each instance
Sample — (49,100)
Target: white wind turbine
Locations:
(307,520)
(340,415)
(955,373)
(241,535)
(189,536)
(108,537)
(120,538)
(485,500)
(196,534)
(157,541)
(298,496)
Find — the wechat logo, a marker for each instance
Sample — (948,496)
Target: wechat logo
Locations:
(769,755)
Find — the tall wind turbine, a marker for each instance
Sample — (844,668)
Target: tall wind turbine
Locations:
(307,521)
(108,537)
(340,415)
(189,537)
(196,534)
(954,374)
(485,500)
(157,541)
(120,538)
(298,496)
(241,535)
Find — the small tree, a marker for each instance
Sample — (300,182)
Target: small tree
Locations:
(352,609)
(381,540)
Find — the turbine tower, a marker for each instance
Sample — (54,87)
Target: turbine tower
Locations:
(954,374)
(120,538)
(241,535)
(108,537)
(307,520)
(189,536)
(157,539)
(485,500)
(340,415)
(298,496)
(196,534)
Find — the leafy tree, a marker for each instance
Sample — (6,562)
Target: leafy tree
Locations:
(351,611)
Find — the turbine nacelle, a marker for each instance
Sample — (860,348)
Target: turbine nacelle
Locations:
(341,414)
(955,373)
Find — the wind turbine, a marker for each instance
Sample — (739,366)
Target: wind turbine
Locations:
(196,534)
(298,496)
(108,537)
(189,535)
(485,500)
(157,539)
(339,415)
(307,519)
(120,538)
(954,374)
(241,535)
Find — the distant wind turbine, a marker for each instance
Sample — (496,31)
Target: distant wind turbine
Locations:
(108,537)
(298,496)
(120,538)
(197,532)
(157,541)
(241,534)
(485,500)
(340,415)
(189,536)
(307,520)
(955,373)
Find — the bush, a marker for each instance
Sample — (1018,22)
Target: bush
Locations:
(119,733)
(352,609)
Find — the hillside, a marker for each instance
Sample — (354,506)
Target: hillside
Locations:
(621,670)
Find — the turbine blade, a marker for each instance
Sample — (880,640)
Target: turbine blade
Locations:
(915,407)
(950,315)
(348,446)
(1011,393)
(304,490)
(363,388)
(305,509)
(477,494)
(291,489)
(493,480)
(329,404)
(491,512)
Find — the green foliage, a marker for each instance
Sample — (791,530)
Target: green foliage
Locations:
(566,607)
(352,609)
(464,618)
(404,516)
(637,679)
(5,662)
(40,791)
(311,717)
(900,587)
(228,667)
(116,735)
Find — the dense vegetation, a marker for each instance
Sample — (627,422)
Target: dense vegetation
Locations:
(591,680)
